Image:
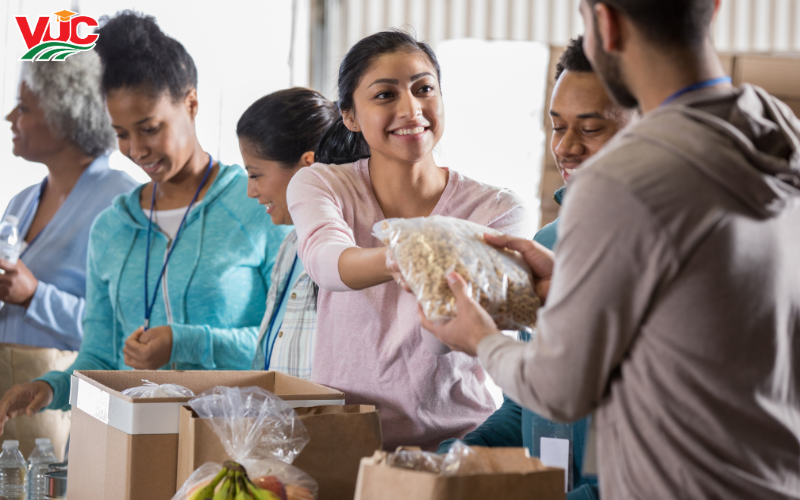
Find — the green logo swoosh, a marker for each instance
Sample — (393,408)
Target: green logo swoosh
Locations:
(54,51)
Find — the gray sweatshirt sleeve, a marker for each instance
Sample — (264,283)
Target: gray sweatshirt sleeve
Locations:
(610,260)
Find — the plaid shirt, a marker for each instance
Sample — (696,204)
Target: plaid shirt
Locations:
(293,350)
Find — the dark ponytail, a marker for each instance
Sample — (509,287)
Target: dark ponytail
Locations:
(340,144)
(136,53)
(282,126)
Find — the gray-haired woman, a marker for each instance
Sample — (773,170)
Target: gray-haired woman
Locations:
(59,120)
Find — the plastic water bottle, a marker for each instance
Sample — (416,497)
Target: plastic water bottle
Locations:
(37,451)
(34,457)
(12,471)
(39,465)
(9,241)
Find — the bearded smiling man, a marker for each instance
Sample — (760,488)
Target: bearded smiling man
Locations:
(672,305)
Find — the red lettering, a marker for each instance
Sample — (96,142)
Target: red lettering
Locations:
(63,33)
(32,38)
(88,21)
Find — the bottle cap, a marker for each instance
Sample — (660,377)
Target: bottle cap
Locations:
(12,219)
(42,441)
(10,444)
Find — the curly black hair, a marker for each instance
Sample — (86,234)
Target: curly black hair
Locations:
(573,59)
(137,54)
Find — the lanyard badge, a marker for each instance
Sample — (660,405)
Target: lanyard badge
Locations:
(150,304)
(697,86)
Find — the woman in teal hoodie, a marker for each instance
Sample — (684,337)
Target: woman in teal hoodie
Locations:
(178,270)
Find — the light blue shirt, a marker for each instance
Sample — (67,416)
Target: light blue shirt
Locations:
(277,320)
(57,258)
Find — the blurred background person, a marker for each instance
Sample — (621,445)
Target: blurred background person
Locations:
(60,121)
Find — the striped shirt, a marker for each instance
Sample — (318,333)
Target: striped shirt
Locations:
(293,348)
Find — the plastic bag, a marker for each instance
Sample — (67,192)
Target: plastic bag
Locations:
(153,390)
(260,432)
(427,249)
(460,460)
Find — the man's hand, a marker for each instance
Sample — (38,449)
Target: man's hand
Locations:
(18,284)
(148,350)
(27,398)
(471,325)
(538,257)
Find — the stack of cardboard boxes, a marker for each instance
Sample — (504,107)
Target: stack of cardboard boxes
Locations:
(125,448)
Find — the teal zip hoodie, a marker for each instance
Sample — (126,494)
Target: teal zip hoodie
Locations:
(216,282)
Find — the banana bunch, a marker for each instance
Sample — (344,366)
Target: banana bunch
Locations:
(232,483)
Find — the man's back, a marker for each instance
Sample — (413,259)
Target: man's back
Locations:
(700,268)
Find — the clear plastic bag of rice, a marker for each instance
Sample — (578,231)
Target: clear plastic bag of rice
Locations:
(427,249)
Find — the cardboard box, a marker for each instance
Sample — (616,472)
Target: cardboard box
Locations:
(516,476)
(777,74)
(340,436)
(123,448)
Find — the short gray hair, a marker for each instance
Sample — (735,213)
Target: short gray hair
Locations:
(69,94)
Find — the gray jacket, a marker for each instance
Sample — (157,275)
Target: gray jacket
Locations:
(674,310)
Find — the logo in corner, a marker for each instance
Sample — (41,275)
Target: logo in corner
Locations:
(43,46)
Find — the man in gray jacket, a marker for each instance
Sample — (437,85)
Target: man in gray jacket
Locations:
(672,307)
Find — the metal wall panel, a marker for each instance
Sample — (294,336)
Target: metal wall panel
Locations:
(742,25)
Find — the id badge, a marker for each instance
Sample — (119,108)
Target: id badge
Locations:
(553,444)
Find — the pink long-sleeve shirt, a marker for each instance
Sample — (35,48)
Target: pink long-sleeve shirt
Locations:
(370,344)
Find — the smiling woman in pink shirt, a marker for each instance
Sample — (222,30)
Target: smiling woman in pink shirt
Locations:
(377,163)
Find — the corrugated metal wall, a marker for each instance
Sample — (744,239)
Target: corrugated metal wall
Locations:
(742,25)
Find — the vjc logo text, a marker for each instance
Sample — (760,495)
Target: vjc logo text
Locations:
(42,46)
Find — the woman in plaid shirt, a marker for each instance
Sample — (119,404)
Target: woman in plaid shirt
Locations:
(277,137)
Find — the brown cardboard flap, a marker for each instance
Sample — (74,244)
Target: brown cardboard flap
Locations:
(287,387)
(340,436)
(509,460)
(777,74)
(524,478)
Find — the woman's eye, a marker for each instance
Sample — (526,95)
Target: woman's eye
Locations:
(383,95)
(150,130)
(559,129)
(426,89)
(592,131)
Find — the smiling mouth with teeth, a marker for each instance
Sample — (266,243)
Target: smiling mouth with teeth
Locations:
(150,166)
(409,131)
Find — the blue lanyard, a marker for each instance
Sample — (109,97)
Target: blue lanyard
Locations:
(150,304)
(275,313)
(30,211)
(697,86)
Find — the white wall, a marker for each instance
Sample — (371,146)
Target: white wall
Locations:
(241,49)
(493,116)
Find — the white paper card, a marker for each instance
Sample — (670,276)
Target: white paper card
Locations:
(555,453)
